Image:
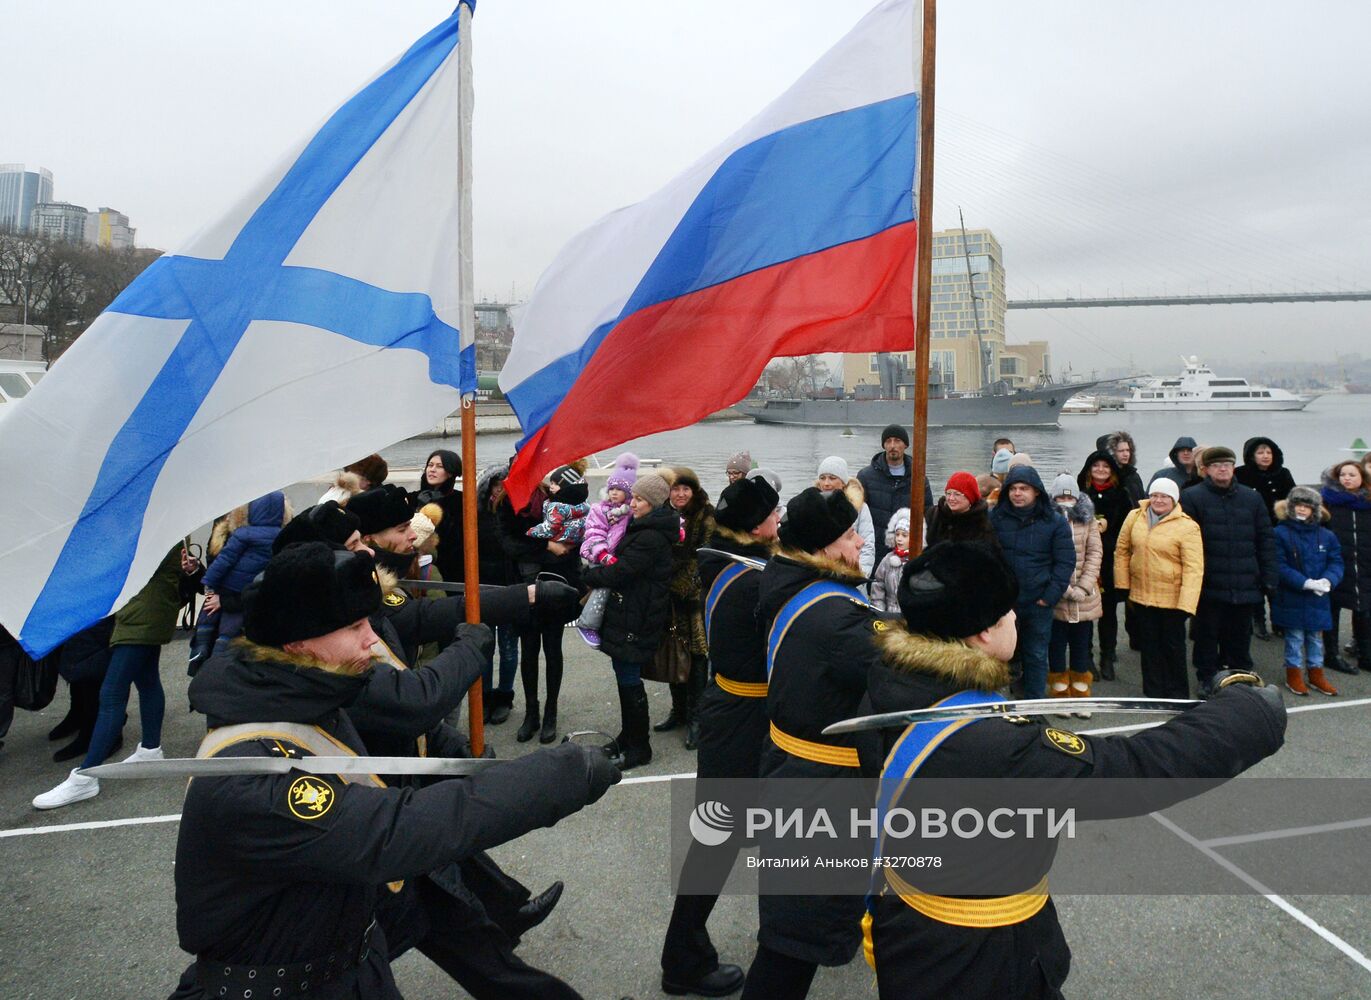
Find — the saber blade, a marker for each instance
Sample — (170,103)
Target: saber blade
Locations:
(219,767)
(1032,706)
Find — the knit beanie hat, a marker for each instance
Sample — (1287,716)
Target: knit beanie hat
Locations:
(652,488)
(1166,487)
(833,465)
(1064,486)
(1216,453)
(380,508)
(324,522)
(965,484)
(899,521)
(956,589)
(740,462)
(815,519)
(309,590)
(423,526)
(999,465)
(745,504)
(373,469)
(895,431)
(624,473)
(1021,459)
(570,483)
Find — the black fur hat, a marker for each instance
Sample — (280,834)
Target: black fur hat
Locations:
(324,522)
(381,508)
(309,590)
(745,504)
(815,519)
(956,589)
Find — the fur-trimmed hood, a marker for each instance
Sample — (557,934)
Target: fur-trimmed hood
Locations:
(1282,510)
(949,660)
(789,571)
(740,543)
(825,567)
(271,511)
(252,683)
(1081,512)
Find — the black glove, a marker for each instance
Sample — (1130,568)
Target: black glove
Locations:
(555,603)
(481,636)
(601,772)
(1246,678)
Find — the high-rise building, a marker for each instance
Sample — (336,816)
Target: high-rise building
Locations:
(20,191)
(59,220)
(107,228)
(964,357)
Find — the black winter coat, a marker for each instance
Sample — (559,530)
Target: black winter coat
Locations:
(885,494)
(733,728)
(1112,507)
(420,620)
(1272,484)
(1350,520)
(923,959)
(260,883)
(818,678)
(1239,542)
(639,608)
(972,525)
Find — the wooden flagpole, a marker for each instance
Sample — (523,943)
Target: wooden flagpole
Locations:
(923,272)
(471,557)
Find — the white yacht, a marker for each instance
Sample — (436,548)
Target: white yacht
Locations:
(1198,388)
(17,378)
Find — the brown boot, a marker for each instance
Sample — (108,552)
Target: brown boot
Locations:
(1059,685)
(1294,681)
(1319,682)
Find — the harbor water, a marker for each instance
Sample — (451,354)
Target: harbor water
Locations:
(1312,440)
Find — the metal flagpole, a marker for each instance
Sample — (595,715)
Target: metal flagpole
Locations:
(923,271)
(470,550)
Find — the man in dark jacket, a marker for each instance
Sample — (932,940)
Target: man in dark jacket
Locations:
(639,607)
(280,877)
(1240,567)
(958,601)
(1182,470)
(819,651)
(1036,541)
(733,722)
(886,482)
(1102,480)
(1263,469)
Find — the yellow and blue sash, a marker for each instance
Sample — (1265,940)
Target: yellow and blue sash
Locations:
(908,754)
(716,590)
(797,605)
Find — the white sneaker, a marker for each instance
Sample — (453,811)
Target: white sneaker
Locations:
(74,789)
(143,753)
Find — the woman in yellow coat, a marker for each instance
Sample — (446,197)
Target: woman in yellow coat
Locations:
(1160,562)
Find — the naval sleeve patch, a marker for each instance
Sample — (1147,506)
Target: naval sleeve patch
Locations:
(1068,743)
(310,798)
(394,599)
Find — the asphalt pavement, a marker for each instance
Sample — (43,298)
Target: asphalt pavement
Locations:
(90,913)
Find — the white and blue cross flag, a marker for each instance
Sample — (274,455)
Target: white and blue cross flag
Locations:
(316,322)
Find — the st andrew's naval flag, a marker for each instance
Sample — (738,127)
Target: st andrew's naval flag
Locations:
(795,236)
(316,322)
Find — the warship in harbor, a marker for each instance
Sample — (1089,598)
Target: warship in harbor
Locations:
(892,400)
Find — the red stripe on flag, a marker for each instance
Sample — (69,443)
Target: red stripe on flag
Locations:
(671,364)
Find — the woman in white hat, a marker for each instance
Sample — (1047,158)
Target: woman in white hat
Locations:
(833,475)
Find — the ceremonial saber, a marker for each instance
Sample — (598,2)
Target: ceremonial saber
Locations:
(222,767)
(747,561)
(1031,706)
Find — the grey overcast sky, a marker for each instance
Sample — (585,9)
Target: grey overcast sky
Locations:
(1161,147)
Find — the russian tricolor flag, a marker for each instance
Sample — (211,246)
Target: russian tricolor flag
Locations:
(795,236)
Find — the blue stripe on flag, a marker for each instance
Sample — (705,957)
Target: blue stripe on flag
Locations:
(812,186)
(221,298)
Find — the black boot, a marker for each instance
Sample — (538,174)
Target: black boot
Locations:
(699,672)
(1331,658)
(1107,660)
(501,703)
(71,722)
(635,745)
(532,720)
(549,731)
(678,715)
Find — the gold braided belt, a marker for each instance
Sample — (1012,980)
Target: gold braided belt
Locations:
(820,753)
(995,911)
(743,689)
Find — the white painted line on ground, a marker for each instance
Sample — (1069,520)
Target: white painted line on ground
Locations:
(1294,831)
(29,831)
(1278,901)
(645,779)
